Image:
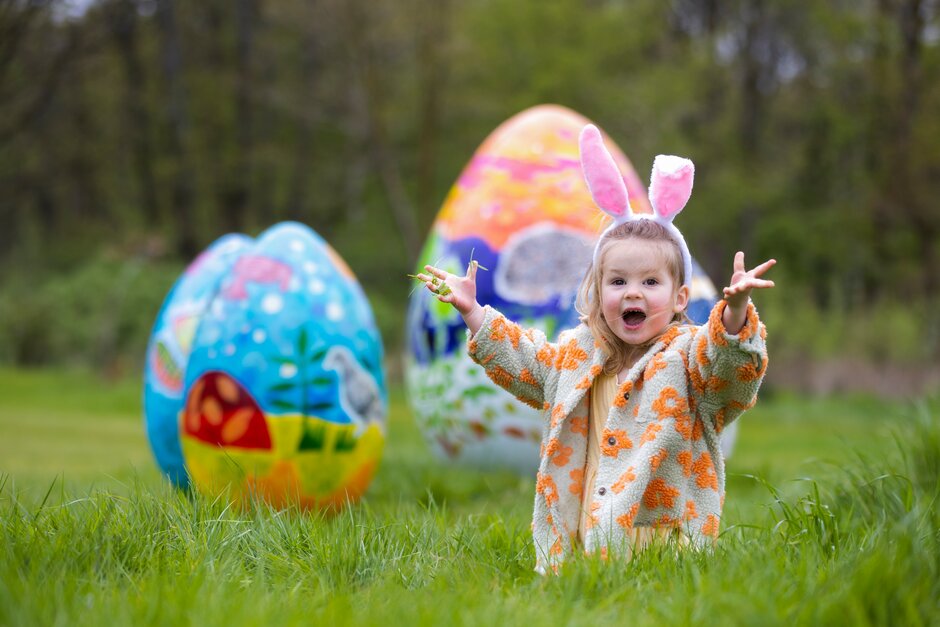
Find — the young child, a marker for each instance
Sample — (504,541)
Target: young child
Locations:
(633,399)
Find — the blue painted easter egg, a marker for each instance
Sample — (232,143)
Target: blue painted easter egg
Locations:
(521,209)
(284,394)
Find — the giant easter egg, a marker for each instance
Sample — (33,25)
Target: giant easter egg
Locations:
(521,209)
(170,345)
(283,395)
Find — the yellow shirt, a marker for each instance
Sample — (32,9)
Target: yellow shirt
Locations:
(602,398)
(603,390)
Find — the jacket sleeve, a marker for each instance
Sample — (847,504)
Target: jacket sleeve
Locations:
(515,359)
(725,370)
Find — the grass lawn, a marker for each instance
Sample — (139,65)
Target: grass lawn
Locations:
(91,534)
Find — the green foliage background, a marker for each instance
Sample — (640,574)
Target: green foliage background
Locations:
(133,133)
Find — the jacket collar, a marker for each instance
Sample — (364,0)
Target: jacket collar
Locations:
(599,357)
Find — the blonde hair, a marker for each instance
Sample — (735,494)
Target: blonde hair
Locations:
(588,303)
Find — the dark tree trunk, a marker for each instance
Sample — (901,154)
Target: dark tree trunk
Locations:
(183,187)
(432,33)
(906,178)
(237,191)
(298,200)
(751,118)
(27,98)
(124,28)
(365,73)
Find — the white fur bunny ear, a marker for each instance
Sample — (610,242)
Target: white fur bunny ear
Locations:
(602,175)
(670,185)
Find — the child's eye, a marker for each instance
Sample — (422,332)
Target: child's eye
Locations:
(650,282)
(617,282)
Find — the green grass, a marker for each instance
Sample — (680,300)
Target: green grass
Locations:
(829,519)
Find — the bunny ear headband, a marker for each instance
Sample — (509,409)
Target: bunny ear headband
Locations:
(670,188)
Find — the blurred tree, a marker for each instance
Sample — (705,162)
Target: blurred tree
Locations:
(904,215)
(30,75)
(183,185)
(236,194)
(24,99)
(363,23)
(433,31)
(812,124)
(302,168)
(123,19)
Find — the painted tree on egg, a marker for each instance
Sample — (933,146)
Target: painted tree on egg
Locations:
(306,394)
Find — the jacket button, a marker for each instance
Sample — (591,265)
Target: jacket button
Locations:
(612,440)
(602,491)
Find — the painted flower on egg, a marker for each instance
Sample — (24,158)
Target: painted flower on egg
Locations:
(521,208)
(264,374)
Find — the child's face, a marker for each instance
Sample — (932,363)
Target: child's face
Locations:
(638,294)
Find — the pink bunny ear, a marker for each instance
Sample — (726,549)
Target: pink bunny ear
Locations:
(602,175)
(670,185)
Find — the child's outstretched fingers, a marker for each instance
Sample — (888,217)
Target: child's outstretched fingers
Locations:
(437,282)
(739,291)
(743,280)
(442,275)
(459,291)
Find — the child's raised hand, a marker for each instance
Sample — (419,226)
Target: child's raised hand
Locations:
(743,280)
(461,292)
(738,292)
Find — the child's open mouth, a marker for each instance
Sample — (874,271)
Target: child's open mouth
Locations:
(633,318)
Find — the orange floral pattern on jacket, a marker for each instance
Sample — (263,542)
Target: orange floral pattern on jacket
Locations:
(625,479)
(570,356)
(670,404)
(612,442)
(557,452)
(503,329)
(545,485)
(659,493)
(577,481)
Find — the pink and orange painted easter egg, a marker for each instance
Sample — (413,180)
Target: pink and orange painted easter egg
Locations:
(521,209)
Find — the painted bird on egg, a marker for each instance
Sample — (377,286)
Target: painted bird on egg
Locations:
(281,392)
(520,208)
